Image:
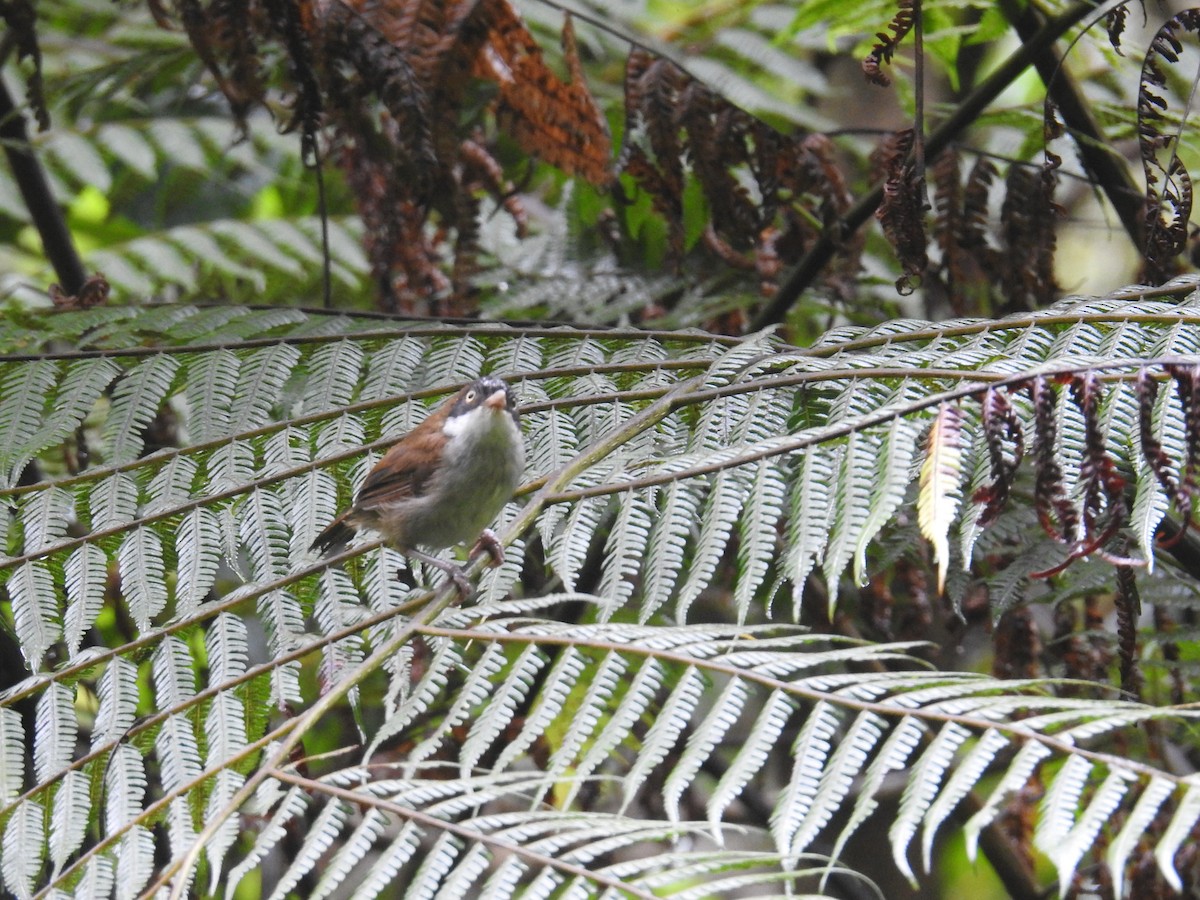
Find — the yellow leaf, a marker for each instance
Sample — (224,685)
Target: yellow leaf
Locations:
(939,494)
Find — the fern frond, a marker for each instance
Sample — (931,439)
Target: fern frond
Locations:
(664,468)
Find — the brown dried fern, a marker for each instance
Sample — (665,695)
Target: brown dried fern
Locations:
(1168,199)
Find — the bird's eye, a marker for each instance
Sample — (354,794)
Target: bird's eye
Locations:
(470,398)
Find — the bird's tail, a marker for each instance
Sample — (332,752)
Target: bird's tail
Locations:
(334,537)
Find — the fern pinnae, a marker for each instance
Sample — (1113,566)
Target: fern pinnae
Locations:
(725,501)
(461,880)
(125,788)
(44,518)
(604,683)
(762,738)
(209,388)
(338,608)
(922,789)
(84,577)
(664,734)
(98,876)
(668,537)
(334,372)
(550,439)
(23,847)
(757,531)
(1134,828)
(504,881)
(69,818)
(325,829)
(391,368)
(440,861)
(229,468)
(851,505)
(343,433)
(519,353)
(1181,828)
(225,729)
(55,731)
(1020,768)
(889,486)
(499,709)
(135,862)
(143,575)
(197,551)
(474,690)
(170,485)
(352,850)
(12,754)
(262,527)
(1104,804)
(227,646)
(811,512)
(569,547)
(261,379)
(181,832)
(938,497)
(136,399)
(34,611)
(641,691)
(904,739)
(23,394)
(624,549)
(701,743)
(178,753)
(82,385)
(452,361)
(847,761)
(559,681)
(1150,502)
(417,698)
(113,502)
(286,810)
(546,884)
(389,862)
(119,696)
(250,238)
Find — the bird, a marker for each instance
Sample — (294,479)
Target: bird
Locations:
(443,482)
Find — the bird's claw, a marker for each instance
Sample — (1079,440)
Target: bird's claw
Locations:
(457,575)
(490,544)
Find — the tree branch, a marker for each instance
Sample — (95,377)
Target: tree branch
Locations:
(35,190)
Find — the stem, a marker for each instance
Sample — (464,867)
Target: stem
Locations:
(31,179)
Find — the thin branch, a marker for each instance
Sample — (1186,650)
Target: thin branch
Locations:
(35,190)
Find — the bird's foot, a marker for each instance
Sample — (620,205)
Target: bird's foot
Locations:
(457,575)
(490,544)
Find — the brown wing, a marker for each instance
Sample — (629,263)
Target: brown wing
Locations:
(405,470)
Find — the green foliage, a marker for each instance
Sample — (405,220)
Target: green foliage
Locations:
(629,705)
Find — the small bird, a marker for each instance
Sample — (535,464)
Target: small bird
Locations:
(444,481)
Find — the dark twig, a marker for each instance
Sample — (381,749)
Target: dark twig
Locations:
(35,189)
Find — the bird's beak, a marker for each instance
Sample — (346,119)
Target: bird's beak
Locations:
(498,401)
